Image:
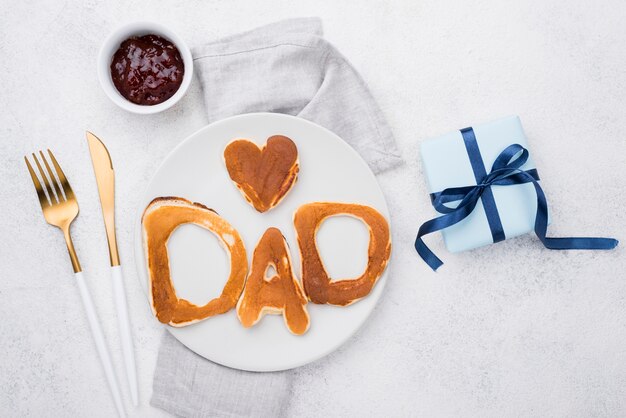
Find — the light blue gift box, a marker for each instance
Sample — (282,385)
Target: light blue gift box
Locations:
(447,164)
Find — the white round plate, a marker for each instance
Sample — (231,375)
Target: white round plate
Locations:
(330,170)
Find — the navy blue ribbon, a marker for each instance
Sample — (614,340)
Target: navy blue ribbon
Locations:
(504,172)
(489,203)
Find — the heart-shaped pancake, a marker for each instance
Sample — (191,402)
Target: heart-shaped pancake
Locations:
(263,175)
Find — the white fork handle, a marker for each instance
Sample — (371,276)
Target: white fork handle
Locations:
(98,337)
(126,336)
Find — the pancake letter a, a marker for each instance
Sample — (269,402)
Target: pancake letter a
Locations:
(317,285)
(278,292)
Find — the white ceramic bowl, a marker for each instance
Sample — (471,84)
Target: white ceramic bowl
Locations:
(112,44)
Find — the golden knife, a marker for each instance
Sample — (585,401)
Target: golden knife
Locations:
(105,178)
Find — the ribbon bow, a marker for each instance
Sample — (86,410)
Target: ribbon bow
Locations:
(504,172)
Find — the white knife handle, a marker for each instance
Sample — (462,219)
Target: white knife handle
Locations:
(126,336)
(98,337)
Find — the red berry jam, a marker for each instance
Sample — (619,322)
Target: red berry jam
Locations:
(147,70)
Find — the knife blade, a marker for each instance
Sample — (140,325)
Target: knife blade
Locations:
(105,178)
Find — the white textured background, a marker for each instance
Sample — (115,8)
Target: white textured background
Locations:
(508,330)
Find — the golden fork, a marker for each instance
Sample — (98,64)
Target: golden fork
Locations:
(60,208)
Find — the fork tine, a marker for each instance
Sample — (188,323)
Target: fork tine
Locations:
(67,189)
(45,181)
(43,200)
(53,181)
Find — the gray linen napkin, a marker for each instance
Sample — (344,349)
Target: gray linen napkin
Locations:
(285,67)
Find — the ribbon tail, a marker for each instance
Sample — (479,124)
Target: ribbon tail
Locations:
(427,255)
(570,243)
(436,224)
(580,243)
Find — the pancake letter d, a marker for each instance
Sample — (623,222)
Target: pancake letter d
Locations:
(317,284)
(162,216)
